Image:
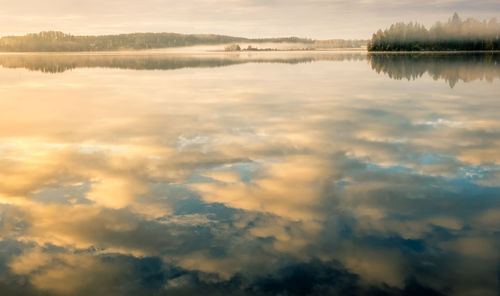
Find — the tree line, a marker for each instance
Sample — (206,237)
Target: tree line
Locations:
(59,41)
(456,34)
(54,41)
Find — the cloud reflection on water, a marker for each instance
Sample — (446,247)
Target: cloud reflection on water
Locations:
(258,179)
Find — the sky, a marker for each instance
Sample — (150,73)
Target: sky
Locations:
(322,19)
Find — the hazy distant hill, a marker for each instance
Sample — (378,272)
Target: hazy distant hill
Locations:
(456,34)
(57,41)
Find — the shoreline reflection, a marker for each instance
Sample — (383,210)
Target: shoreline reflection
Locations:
(450,67)
(54,63)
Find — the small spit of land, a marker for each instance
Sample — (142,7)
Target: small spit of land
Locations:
(454,35)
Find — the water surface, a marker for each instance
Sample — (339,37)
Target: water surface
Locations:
(250,174)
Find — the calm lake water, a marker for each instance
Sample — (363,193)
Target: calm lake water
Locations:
(250,174)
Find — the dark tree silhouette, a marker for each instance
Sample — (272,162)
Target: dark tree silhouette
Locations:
(456,34)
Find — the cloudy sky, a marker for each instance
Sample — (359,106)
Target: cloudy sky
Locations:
(252,18)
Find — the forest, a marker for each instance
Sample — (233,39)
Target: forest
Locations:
(53,41)
(452,68)
(454,35)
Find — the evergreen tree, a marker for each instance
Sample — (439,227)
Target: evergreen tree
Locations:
(456,34)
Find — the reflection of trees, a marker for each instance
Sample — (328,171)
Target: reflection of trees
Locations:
(450,67)
(60,63)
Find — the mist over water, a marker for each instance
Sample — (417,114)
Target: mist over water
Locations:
(249,174)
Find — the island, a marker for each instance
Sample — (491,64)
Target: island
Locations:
(454,35)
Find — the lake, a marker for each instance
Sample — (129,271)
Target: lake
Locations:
(266,173)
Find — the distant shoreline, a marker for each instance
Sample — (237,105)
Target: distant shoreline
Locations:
(191,49)
(180,51)
(159,51)
(55,41)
